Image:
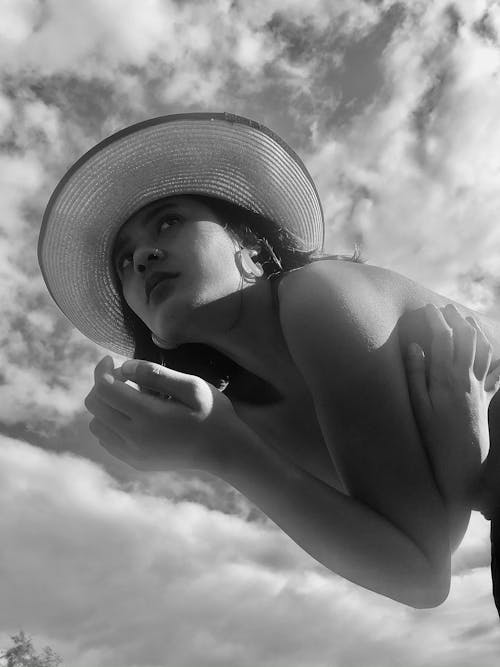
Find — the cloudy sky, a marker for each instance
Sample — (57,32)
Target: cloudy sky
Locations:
(394,107)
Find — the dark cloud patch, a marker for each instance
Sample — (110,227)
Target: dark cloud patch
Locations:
(42,16)
(442,77)
(281,105)
(485,28)
(470,559)
(477,631)
(84,103)
(346,74)
(89,109)
(454,18)
(426,111)
(74,437)
(479,281)
(302,41)
(17,135)
(361,74)
(54,353)
(320,53)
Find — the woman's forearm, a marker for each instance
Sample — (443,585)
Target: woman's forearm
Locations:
(346,536)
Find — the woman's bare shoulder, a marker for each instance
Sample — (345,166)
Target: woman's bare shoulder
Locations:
(340,272)
(351,279)
(377,300)
(339,300)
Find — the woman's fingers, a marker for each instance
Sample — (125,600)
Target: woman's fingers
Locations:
(441,344)
(187,389)
(483,351)
(104,433)
(464,337)
(417,383)
(492,382)
(112,442)
(123,398)
(105,412)
(471,348)
(105,366)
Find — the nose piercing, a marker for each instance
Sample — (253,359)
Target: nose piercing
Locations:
(155,253)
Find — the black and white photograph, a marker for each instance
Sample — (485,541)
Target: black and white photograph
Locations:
(250,333)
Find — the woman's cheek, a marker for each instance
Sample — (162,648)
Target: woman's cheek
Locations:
(133,301)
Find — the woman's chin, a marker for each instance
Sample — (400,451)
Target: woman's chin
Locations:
(166,338)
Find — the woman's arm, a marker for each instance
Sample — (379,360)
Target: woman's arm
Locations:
(341,330)
(450,401)
(199,429)
(344,534)
(450,397)
(451,389)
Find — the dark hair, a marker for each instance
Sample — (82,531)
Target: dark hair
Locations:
(279,251)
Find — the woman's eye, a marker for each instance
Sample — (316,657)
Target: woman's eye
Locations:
(125,261)
(166,223)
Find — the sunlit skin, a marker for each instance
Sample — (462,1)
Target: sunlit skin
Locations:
(209,302)
(338,463)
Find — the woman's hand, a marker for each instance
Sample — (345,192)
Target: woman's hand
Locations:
(451,400)
(194,428)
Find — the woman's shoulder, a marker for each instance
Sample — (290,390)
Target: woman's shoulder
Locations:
(345,280)
(350,291)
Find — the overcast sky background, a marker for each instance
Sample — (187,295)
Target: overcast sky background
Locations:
(394,107)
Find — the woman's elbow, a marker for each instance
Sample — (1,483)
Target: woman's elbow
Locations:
(432,593)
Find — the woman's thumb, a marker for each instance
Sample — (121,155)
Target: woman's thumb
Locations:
(417,384)
(161,379)
(492,382)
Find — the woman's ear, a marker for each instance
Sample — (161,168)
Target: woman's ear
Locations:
(255,251)
(248,267)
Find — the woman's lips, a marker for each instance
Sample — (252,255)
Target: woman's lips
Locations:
(157,280)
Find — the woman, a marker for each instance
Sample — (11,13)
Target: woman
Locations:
(176,241)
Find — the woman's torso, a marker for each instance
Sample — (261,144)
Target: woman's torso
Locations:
(290,425)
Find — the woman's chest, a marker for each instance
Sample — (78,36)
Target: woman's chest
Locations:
(292,428)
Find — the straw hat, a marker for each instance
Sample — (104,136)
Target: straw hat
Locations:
(212,154)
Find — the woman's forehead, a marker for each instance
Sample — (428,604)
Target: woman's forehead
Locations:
(138,220)
(143,215)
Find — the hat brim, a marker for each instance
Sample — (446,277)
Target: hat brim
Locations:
(213,154)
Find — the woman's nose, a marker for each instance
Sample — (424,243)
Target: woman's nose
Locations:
(144,255)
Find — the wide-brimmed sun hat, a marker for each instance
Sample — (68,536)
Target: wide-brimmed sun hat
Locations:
(213,154)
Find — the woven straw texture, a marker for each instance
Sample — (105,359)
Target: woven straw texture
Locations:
(219,155)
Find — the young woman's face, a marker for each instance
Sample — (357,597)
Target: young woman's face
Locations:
(172,257)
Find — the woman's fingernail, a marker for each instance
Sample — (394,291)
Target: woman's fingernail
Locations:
(129,367)
(108,379)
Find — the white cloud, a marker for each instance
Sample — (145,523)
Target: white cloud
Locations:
(94,39)
(186,55)
(413,174)
(46,366)
(18,20)
(189,585)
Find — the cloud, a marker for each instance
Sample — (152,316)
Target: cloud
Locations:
(190,585)
(394,107)
(72,76)
(413,177)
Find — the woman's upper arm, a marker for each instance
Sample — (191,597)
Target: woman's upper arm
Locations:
(341,332)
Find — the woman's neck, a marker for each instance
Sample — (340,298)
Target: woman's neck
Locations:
(254,340)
